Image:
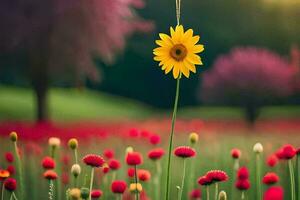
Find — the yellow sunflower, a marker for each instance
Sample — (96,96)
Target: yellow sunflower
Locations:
(178,52)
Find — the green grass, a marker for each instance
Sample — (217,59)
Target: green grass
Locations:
(72,104)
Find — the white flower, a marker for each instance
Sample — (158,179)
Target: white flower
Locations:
(258,148)
(75,170)
(54,142)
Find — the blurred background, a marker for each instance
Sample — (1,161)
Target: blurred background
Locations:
(63,61)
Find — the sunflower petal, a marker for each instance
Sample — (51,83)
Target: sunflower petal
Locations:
(176,70)
(190,66)
(197,48)
(194,59)
(185,70)
(187,35)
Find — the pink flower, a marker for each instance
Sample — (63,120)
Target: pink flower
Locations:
(156,154)
(274,193)
(272,160)
(217,176)
(134,158)
(235,153)
(118,186)
(9,157)
(270,178)
(242,184)
(243,173)
(114,164)
(154,139)
(48,163)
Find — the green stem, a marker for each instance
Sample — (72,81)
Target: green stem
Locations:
(216,191)
(156,180)
(2,191)
(113,176)
(292,178)
(182,181)
(51,190)
(14,195)
(136,182)
(171,139)
(11,197)
(19,167)
(243,195)
(91,183)
(76,156)
(207,192)
(258,178)
(298,173)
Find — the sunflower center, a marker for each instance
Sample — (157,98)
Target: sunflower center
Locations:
(178,52)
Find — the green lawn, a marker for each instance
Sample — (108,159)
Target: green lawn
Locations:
(72,104)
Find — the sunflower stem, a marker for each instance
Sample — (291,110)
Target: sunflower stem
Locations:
(292,179)
(91,183)
(171,139)
(136,182)
(183,178)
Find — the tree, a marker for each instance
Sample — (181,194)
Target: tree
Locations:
(249,77)
(61,38)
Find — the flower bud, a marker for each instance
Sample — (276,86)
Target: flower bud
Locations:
(193,137)
(74,194)
(73,143)
(135,187)
(54,142)
(129,150)
(258,148)
(84,193)
(13,136)
(222,195)
(75,170)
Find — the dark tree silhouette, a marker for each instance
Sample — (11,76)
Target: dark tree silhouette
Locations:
(61,38)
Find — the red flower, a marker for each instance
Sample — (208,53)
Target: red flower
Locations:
(118,186)
(145,133)
(50,175)
(242,184)
(109,153)
(48,163)
(65,160)
(93,160)
(270,178)
(286,152)
(130,172)
(156,154)
(195,194)
(274,193)
(105,168)
(203,180)
(10,184)
(9,157)
(134,158)
(235,153)
(298,151)
(65,178)
(243,173)
(272,160)
(143,175)
(134,133)
(114,164)
(96,194)
(217,175)
(11,169)
(154,139)
(184,152)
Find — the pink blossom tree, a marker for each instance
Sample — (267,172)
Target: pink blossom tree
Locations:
(61,38)
(249,77)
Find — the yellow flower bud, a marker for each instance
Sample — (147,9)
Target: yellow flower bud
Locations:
(194,138)
(73,143)
(75,170)
(13,136)
(222,195)
(129,149)
(74,194)
(135,187)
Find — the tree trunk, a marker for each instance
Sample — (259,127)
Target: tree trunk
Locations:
(251,113)
(41,91)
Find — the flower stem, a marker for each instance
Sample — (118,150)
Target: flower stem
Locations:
(298,173)
(207,192)
(258,178)
(243,195)
(51,190)
(91,183)
(136,182)
(76,156)
(14,195)
(216,191)
(156,180)
(20,170)
(182,181)
(292,178)
(171,139)
(2,191)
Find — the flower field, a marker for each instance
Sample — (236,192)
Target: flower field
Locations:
(55,166)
